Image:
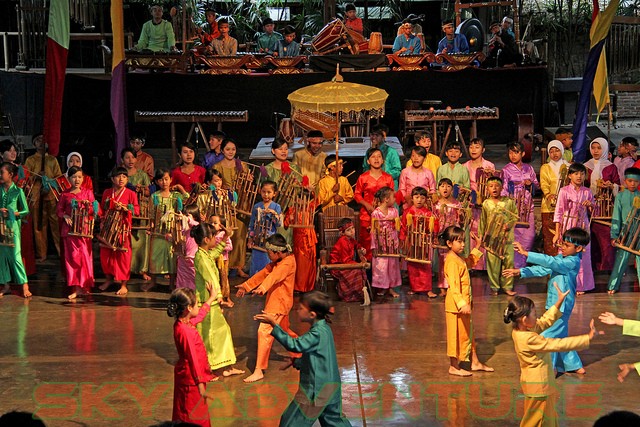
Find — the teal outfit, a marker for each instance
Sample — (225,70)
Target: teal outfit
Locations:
(621,208)
(157,37)
(391,165)
(268,43)
(458,175)
(319,394)
(11,264)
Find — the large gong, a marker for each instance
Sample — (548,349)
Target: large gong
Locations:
(473,31)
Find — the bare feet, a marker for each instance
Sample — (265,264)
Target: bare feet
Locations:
(611,291)
(146,277)
(227,303)
(580,371)
(73,296)
(459,372)
(43,259)
(6,289)
(481,367)
(105,285)
(494,292)
(215,378)
(430,294)
(443,293)
(580,293)
(256,376)
(510,292)
(232,371)
(25,291)
(393,293)
(122,291)
(241,273)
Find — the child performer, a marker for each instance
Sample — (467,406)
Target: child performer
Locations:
(188,173)
(519,178)
(78,260)
(214,329)
(549,176)
(431,161)
(532,349)
(185,269)
(319,394)
(219,224)
(165,203)
(138,182)
(419,274)
(192,372)
(629,327)
(627,153)
(447,209)
(495,265)
(276,280)
(566,138)
(265,217)
(453,170)
(572,208)
(75,159)
(214,155)
(458,304)
(385,271)
(13,207)
(366,187)
(350,282)
(415,176)
(476,166)
(625,201)
(333,188)
(116,264)
(562,270)
(601,175)
(144,160)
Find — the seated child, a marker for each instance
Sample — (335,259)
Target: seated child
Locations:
(351,283)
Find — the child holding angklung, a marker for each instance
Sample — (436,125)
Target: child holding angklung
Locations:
(185,269)
(532,349)
(333,188)
(459,303)
(519,181)
(192,372)
(13,207)
(214,329)
(165,204)
(385,271)
(495,265)
(350,282)
(219,224)
(420,274)
(562,270)
(448,210)
(629,327)
(453,170)
(116,262)
(276,280)
(550,173)
(415,176)
(572,210)
(265,219)
(624,203)
(78,250)
(319,394)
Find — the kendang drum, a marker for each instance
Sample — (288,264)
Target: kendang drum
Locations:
(329,38)
(286,131)
(375,43)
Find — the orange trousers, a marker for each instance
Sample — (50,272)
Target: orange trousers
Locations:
(265,340)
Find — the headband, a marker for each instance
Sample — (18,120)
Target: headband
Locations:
(572,241)
(632,175)
(345,226)
(276,248)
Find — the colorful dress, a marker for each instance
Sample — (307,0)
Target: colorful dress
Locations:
(117,263)
(385,271)
(621,208)
(145,163)
(448,214)
(162,209)
(26,232)
(191,369)
(569,213)
(411,178)
(267,224)
(350,282)
(513,178)
(458,174)
(495,265)
(11,266)
(214,328)
(275,175)
(223,264)
(420,274)
(325,191)
(185,269)
(366,188)
(549,186)
(78,259)
(139,237)
(391,165)
(187,180)
(476,210)
(602,252)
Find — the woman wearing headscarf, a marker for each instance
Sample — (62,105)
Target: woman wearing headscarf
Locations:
(604,182)
(75,159)
(550,174)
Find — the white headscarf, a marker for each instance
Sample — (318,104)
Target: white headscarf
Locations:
(71,154)
(555,166)
(597,166)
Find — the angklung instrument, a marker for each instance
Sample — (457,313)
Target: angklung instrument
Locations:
(384,235)
(302,208)
(573,216)
(83,214)
(286,189)
(482,192)
(629,237)
(498,229)
(263,227)
(603,209)
(163,216)
(522,197)
(218,203)
(562,181)
(141,222)
(246,186)
(115,227)
(420,239)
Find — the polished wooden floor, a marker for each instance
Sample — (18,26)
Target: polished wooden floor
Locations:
(107,360)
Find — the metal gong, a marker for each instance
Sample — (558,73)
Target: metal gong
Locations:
(473,31)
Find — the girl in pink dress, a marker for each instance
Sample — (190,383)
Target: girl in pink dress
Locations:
(78,259)
(220,223)
(384,240)
(185,269)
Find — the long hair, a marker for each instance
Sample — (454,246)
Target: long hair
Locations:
(179,300)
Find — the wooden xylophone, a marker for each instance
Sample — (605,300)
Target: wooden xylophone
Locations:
(191,116)
(468,113)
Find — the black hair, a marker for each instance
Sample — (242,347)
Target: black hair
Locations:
(315,134)
(630,140)
(495,179)
(6,144)
(160,172)
(187,144)
(344,221)
(134,137)
(382,194)
(349,6)
(218,134)
(202,230)
(269,182)
(515,146)
(618,418)
(318,302)
(194,211)
(179,300)
(576,167)
(518,307)
(419,191)
(632,170)
(223,21)
(228,141)
(211,172)
(420,151)
(445,181)
(478,141)
(563,131)
(10,167)
(452,146)
(372,150)
(279,142)
(329,159)
(421,134)
(74,170)
(380,127)
(577,236)
(278,240)
(450,234)
(118,170)
(128,150)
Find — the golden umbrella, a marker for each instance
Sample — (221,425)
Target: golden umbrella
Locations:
(340,99)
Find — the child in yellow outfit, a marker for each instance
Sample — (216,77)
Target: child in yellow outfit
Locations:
(333,188)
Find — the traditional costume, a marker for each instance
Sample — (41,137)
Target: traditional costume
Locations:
(274,174)
(448,214)
(385,271)
(157,37)
(458,174)
(623,205)
(411,178)
(366,188)
(476,211)
(87,183)
(185,268)
(15,202)
(391,164)
(187,180)
(139,237)
(144,162)
(310,165)
(162,257)
(222,262)
(325,191)
(495,265)
(549,175)
(259,258)
(350,282)
(420,274)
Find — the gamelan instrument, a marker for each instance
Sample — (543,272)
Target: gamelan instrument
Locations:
(263,227)
(56,186)
(375,43)
(163,215)
(218,203)
(286,189)
(384,235)
(115,228)
(178,238)
(335,36)
(562,182)
(141,222)
(521,195)
(448,215)
(246,186)
(496,234)
(420,239)
(82,218)
(286,130)
(62,184)
(6,233)
(482,192)
(302,209)
(603,210)
(573,216)
(191,116)
(308,120)
(629,238)
(467,113)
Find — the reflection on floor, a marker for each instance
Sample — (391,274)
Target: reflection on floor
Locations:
(107,360)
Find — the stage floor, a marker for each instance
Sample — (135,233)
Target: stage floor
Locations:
(108,360)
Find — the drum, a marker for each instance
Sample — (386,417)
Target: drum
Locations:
(375,43)
(496,234)
(114,230)
(246,187)
(82,220)
(420,239)
(384,238)
(6,233)
(286,130)
(629,238)
(329,38)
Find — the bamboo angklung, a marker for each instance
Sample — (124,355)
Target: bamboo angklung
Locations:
(6,233)
(521,195)
(563,180)
(603,209)
(262,229)
(498,230)
(381,233)
(629,237)
(246,186)
(573,217)
(213,203)
(82,219)
(482,192)
(141,222)
(115,228)
(420,238)
(302,209)
(286,190)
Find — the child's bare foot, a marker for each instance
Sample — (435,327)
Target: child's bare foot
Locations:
(410,293)
(215,378)
(510,292)
(481,367)
(580,293)
(73,296)
(122,291)
(256,376)
(430,294)
(146,277)
(6,289)
(494,292)
(580,371)
(611,291)
(241,273)
(443,293)
(393,293)
(232,371)
(459,372)
(105,285)
(25,291)
(227,303)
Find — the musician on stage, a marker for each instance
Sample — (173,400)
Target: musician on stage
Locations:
(452,42)
(506,26)
(157,34)
(214,155)
(225,45)
(390,156)
(550,173)
(209,30)
(310,160)
(351,21)
(42,202)
(503,50)
(269,40)
(565,136)
(288,47)
(407,43)
(333,188)
(144,161)
(414,20)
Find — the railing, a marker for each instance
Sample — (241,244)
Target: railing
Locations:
(623,45)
